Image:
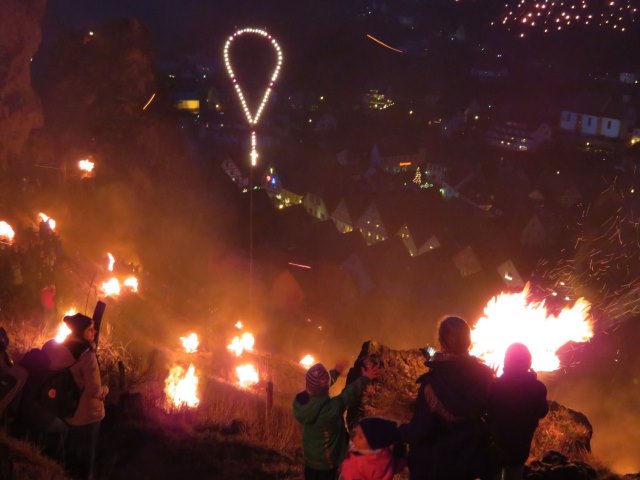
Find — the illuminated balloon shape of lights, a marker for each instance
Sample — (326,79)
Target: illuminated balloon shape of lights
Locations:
(253,119)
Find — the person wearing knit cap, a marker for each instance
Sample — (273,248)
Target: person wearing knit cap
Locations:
(77,352)
(324,436)
(517,402)
(375,452)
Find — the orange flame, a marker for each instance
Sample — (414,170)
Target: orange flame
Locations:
(86,166)
(46,219)
(190,343)
(247,375)
(111,288)
(182,388)
(238,325)
(132,283)
(63,333)
(307,361)
(510,318)
(63,330)
(112,261)
(241,343)
(6,232)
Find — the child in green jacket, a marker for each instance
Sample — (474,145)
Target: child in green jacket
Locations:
(324,437)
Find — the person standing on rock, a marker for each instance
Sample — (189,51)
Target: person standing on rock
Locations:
(517,402)
(324,436)
(447,437)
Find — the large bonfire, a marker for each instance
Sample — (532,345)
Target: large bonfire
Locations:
(512,317)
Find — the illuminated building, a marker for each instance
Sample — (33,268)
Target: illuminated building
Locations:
(599,116)
(518,137)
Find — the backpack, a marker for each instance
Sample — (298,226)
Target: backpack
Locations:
(55,391)
(59,394)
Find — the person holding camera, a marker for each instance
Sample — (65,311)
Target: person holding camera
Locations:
(447,436)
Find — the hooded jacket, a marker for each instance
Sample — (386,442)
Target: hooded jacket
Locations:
(447,437)
(517,401)
(324,436)
(79,355)
(372,465)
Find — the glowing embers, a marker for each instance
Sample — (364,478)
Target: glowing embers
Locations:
(253,119)
(6,233)
(511,317)
(181,387)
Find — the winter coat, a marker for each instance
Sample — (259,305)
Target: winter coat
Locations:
(447,437)
(81,357)
(324,436)
(517,401)
(371,465)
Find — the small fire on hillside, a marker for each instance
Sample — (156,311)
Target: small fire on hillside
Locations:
(307,361)
(190,343)
(86,167)
(48,220)
(6,232)
(247,375)
(131,283)
(111,288)
(511,317)
(181,387)
(240,343)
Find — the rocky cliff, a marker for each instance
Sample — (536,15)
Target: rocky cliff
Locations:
(20,108)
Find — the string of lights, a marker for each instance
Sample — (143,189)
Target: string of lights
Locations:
(252,119)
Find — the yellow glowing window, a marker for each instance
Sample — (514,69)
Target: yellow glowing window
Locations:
(190,105)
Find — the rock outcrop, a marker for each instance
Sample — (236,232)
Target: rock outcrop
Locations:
(20,108)
(563,430)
